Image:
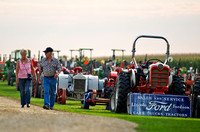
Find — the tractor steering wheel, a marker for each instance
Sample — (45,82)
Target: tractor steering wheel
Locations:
(147,63)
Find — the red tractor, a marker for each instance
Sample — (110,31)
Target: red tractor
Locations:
(152,76)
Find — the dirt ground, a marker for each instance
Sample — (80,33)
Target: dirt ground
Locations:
(13,118)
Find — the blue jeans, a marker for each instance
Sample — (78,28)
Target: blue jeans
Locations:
(49,84)
(25,91)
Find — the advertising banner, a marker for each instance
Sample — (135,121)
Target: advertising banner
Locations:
(159,105)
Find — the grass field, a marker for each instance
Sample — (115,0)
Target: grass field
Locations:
(146,123)
(186,59)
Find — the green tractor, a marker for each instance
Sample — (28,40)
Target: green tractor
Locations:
(82,61)
(99,72)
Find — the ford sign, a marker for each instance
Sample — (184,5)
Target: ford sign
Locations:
(159,105)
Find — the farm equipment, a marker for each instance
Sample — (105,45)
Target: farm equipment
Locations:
(84,62)
(5,70)
(2,66)
(72,50)
(189,80)
(188,76)
(84,83)
(102,95)
(152,76)
(63,87)
(84,49)
(195,97)
(99,72)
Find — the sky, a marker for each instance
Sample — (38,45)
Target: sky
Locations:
(99,24)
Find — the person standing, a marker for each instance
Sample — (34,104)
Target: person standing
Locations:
(24,68)
(51,68)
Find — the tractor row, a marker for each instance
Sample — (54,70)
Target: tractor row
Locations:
(153,76)
(110,83)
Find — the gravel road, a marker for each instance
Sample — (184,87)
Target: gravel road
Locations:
(13,118)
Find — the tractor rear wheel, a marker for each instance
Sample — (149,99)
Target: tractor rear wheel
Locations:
(195,97)
(122,90)
(178,85)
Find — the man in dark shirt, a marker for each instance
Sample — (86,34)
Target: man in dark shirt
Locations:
(51,68)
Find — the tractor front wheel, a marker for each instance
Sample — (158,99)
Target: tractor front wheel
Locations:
(121,92)
(108,92)
(178,85)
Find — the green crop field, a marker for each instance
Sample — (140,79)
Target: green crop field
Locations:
(146,123)
(186,59)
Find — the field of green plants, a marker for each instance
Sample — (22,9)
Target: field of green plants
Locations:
(186,59)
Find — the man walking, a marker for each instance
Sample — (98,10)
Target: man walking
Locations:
(51,68)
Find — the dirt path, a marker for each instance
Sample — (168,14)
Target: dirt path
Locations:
(13,118)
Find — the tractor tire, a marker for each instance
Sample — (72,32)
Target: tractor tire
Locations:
(121,92)
(108,91)
(112,102)
(63,96)
(178,85)
(195,99)
(128,103)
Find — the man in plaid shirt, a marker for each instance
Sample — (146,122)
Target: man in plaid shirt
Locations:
(51,68)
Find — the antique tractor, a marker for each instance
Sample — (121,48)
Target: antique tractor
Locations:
(101,96)
(82,84)
(152,76)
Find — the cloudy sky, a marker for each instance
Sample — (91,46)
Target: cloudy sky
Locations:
(99,24)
